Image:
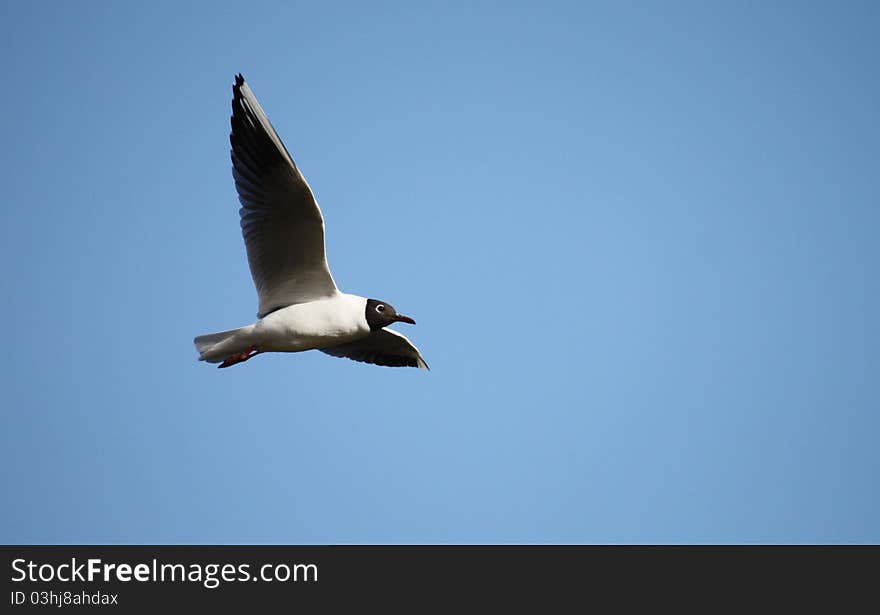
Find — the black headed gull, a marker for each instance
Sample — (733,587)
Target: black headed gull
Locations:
(300,306)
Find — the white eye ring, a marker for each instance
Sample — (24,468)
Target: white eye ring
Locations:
(380,308)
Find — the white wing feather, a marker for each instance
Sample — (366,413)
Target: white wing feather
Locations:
(281,222)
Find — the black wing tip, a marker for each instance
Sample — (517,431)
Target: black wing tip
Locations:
(239,80)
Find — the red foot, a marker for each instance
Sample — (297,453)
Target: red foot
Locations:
(240,357)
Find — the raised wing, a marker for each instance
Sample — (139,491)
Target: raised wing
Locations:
(280,220)
(381,347)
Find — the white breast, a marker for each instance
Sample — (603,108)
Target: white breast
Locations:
(316,324)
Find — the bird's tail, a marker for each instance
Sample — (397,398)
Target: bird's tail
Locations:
(214,347)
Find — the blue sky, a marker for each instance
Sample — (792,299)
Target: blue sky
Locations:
(639,239)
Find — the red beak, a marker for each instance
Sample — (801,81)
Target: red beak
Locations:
(402,318)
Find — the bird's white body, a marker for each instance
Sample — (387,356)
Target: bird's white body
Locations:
(303,326)
(316,324)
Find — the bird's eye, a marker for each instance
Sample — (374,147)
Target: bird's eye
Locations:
(380,308)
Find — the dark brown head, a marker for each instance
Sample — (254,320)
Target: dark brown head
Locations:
(379,314)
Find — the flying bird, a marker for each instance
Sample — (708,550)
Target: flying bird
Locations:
(300,307)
